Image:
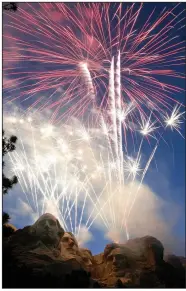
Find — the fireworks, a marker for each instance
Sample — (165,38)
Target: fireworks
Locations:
(71,176)
(75,172)
(59,56)
(75,178)
(174,119)
(98,71)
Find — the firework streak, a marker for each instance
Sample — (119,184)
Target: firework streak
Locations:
(99,70)
(59,56)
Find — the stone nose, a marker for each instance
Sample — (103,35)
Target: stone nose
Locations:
(114,261)
(71,243)
(46,225)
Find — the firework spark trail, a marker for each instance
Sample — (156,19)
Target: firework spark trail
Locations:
(36,176)
(112,110)
(16,160)
(33,179)
(102,215)
(82,211)
(127,212)
(102,208)
(132,169)
(51,187)
(15,169)
(106,182)
(143,175)
(105,131)
(89,80)
(88,180)
(147,128)
(174,120)
(118,112)
(74,58)
(68,211)
(33,140)
(147,52)
(99,210)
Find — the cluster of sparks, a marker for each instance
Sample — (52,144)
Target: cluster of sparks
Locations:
(77,172)
(59,56)
(100,65)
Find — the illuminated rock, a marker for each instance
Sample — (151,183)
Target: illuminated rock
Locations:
(47,257)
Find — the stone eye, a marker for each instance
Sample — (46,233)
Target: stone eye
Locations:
(119,256)
(42,223)
(52,222)
(65,239)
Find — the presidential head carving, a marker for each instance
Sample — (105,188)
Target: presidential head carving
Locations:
(68,244)
(118,259)
(48,229)
(87,258)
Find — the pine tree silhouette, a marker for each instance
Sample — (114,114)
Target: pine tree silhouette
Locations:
(8,145)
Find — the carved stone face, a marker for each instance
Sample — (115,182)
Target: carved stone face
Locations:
(117,260)
(69,245)
(48,229)
(87,258)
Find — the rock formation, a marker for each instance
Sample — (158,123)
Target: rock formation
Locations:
(44,256)
(138,263)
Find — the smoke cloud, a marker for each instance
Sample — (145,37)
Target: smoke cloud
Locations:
(150,215)
(66,172)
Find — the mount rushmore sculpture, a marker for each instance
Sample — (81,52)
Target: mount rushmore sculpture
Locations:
(43,255)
